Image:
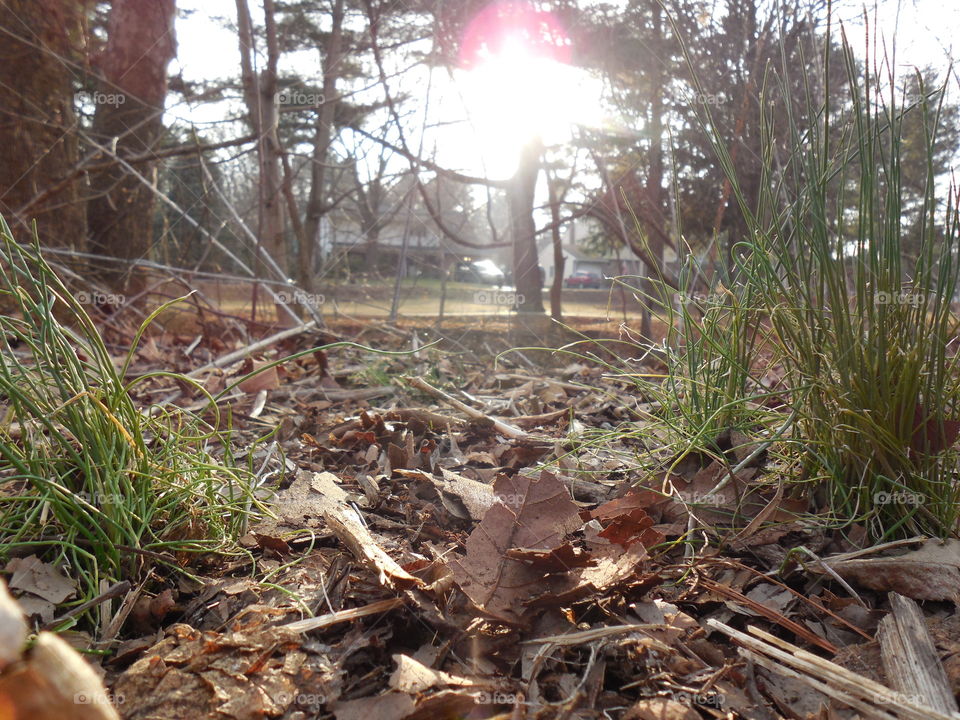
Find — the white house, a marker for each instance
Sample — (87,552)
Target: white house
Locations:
(576,258)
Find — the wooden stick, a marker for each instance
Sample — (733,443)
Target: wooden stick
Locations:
(324,621)
(111,592)
(253,347)
(910,660)
(500,426)
(874,699)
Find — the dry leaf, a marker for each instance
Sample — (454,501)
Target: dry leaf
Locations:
(412,676)
(265,380)
(389,706)
(931,572)
(41,579)
(535,514)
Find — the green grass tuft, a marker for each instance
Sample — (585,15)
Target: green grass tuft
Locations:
(88,481)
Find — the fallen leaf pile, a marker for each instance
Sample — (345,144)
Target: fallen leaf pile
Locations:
(422,562)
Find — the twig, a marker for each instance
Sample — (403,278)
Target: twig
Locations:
(253,347)
(113,591)
(835,681)
(351,615)
(501,427)
(771,615)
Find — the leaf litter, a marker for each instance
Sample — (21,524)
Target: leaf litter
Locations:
(449,546)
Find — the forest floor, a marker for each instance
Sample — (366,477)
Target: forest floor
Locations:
(531,552)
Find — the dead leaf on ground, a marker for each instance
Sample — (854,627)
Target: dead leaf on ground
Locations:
(148,612)
(32,575)
(660,709)
(303,503)
(535,514)
(931,572)
(389,706)
(243,675)
(267,379)
(412,676)
(612,566)
(476,497)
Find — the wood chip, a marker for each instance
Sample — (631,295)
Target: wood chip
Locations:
(910,659)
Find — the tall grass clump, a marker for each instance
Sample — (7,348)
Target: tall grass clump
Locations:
(712,338)
(708,386)
(88,481)
(857,287)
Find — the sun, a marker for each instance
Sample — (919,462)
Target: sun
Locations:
(518,84)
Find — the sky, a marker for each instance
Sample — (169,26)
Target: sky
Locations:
(925,32)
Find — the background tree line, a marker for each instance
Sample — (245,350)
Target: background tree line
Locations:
(84,85)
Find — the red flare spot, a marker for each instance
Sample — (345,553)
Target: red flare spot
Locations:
(502,24)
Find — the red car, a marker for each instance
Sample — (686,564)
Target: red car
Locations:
(585,279)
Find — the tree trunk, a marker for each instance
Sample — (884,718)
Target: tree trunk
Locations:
(655,211)
(444,272)
(260,94)
(520,195)
(658,83)
(370,256)
(371,251)
(556,288)
(39,147)
(129,116)
(321,145)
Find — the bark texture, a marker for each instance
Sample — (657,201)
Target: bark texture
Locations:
(37,121)
(520,196)
(128,118)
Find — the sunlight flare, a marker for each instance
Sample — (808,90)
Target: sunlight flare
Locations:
(518,84)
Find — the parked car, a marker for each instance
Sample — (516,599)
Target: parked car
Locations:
(585,279)
(484,271)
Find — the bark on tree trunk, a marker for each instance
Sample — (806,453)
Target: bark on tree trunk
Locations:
(321,145)
(654,186)
(658,82)
(556,289)
(129,116)
(36,95)
(260,94)
(371,251)
(520,195)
